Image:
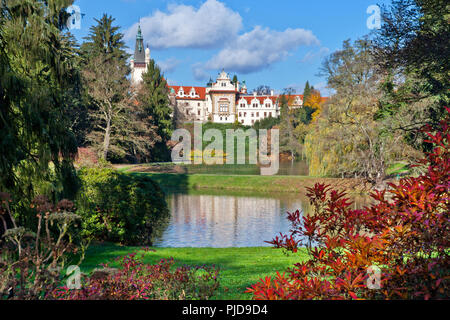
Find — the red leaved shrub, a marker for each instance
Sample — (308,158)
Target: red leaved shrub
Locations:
(397,248)
(135,280)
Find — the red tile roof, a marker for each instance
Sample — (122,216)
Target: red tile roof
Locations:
(201,91)
(262,99)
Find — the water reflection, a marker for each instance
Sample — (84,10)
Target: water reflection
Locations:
(226,221)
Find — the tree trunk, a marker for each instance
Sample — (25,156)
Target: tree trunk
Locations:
(106,141)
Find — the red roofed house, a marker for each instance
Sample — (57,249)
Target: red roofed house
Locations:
(220,102)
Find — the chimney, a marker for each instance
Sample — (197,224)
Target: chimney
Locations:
(271,93)
(254,93)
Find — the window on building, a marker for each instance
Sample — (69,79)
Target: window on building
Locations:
(245,114)
(198,104)
(253,115)
(198,112)
(265,114)
(242,121)
(240,114)
(257,114)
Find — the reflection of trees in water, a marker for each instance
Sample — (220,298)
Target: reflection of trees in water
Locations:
(159,225)
(221,220)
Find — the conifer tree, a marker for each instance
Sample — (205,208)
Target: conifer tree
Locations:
(37,69)
(306,91)
(154,100)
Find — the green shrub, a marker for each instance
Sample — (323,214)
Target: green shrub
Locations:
(120,207)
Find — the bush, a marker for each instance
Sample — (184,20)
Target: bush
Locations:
(135,280)
(397,248)
(120,207)
(31,260)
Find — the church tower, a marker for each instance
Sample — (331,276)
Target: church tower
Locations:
(141,59)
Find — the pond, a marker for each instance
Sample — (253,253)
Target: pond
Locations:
(227,220)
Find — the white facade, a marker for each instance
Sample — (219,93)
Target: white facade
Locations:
(221,102)
(226,102)
(138,69)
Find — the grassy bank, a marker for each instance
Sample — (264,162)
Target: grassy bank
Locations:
(239,267)
(250,183)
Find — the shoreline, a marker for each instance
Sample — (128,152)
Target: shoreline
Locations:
(252,183)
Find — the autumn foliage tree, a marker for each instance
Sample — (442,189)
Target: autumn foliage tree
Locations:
(396,248)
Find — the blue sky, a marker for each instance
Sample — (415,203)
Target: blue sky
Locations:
(276,43)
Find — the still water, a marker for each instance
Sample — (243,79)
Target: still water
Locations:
(229,220)
(221,221)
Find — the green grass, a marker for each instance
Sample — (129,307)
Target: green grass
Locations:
(249,183)
(239,267)
(398,168)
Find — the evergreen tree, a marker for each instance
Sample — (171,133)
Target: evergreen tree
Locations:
(154,100)
(105,39)
(235,80)
(37,69)
(306,91)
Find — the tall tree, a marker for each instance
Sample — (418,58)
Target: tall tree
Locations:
(413,49)
(347,139)
(289,142)
(153,98)
(37,70)
(306,91)
(235,80)
(105,74)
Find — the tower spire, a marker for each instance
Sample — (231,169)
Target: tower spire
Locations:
(139,54)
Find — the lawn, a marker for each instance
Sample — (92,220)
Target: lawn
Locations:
(239,267)
(251,183)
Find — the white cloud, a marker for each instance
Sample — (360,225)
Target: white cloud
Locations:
(199,72)
(184,26)
(260,48)
(169,65)
(311,55)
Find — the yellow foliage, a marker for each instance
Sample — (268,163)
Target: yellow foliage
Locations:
(315,101)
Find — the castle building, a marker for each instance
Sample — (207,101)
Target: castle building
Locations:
(221,101)
(140,61)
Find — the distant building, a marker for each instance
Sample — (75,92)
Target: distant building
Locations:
(221,101)
(140,60)
(226,102)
